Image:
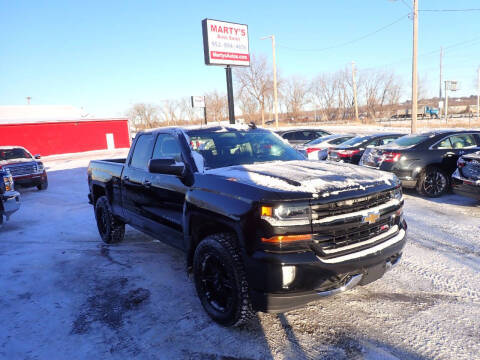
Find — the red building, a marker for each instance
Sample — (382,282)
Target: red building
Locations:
(41,130)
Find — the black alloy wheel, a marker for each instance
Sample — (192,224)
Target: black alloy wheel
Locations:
(434,183)
(216,283)
(220,280)
(111,229)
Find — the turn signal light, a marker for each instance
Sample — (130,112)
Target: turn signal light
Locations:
(282,239)
(266,211)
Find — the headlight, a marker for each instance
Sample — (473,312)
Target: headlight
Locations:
(40,167)
(397,193)
(8,181)
(286,214)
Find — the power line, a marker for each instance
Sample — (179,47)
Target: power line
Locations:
(407,4)
(350,41)
(448,10)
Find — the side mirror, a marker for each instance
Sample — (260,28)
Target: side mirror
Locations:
(167,166)
(38,156)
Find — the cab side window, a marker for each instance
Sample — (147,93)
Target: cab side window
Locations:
(444,144)
(462,141)
(167,147)
(142,152)
(290,136)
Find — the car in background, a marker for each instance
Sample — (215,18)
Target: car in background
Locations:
(466,179)
(9,198)
(352,150)
(424,161)
(301,136)
(25,168)
(318,149)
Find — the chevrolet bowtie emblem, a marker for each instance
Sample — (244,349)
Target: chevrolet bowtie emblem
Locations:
(371,218)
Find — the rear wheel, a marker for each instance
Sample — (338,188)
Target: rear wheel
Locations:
(433,182)
(220,280)
(110,228)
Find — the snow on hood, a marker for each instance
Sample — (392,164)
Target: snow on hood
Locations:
(319,178)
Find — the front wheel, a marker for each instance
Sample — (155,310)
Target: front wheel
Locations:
(110,228)
(43,185)
(220,280)
(433,182)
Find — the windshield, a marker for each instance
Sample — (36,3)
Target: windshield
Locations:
(356,141)
(229,148)
(17,153)
(410,140)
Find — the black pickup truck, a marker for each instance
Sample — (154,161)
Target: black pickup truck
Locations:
(263,229)
(9,198)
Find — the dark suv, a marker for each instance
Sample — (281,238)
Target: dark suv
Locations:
(26,170)
(424,161)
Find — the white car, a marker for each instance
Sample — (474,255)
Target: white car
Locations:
(318,149)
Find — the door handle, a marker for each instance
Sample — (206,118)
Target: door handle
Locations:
(147,184)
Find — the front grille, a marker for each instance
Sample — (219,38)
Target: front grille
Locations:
(320,211)
(326,241)
(471,170)
(21,170)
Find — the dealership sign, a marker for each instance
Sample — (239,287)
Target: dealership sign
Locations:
(225,43)
(198,101)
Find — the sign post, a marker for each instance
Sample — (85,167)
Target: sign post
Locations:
(226,43)
(199,102)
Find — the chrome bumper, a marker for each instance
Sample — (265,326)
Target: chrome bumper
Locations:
(11,202)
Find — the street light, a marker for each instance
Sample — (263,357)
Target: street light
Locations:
(275,94)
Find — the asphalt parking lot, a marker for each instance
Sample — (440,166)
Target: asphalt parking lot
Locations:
(67,295)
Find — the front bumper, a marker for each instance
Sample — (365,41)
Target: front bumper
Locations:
(11,202)
(315,278)
(30,180)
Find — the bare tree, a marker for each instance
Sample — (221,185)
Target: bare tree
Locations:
(143,116)
(217,106)
(248,106)
(295,95)
(186,111)
(255,81)
(169,111)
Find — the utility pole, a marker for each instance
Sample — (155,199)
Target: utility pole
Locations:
(440,87)
(354,83)
(275,93)
(446,101)
(478,95)
(414,68)
(28,99)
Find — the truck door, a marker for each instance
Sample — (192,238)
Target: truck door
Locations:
(134,193)
(166,194)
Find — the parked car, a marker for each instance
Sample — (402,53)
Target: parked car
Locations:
(263,229)
(424,161)
(352,150)
(301,136)
(318,149)
(466,179)
(9,198)
(26,170)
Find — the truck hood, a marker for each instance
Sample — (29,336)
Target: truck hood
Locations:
(321,179)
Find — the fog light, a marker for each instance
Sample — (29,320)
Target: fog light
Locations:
(288,275)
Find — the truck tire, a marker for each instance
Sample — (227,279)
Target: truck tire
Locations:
(220,280)
(43,185)
(433,182)
(110,228)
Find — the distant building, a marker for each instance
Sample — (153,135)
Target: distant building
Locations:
(54,129)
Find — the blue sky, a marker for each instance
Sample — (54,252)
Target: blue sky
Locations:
(107,55)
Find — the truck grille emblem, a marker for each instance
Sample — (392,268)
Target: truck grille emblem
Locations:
(371,218)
